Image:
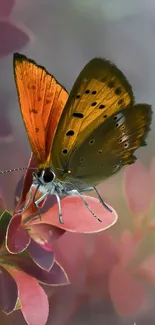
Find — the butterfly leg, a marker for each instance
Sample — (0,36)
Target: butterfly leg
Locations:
(101,200)
(29,199)
(58,201)
(99,196)
(59,208)
(39,200)
(75,192)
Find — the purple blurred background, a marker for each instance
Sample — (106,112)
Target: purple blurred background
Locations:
(63,35)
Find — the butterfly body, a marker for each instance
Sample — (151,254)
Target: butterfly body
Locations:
(79,140)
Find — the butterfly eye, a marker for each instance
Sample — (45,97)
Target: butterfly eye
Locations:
(99,152)
(77,96)
(81,159)
(48,176)
(94,92)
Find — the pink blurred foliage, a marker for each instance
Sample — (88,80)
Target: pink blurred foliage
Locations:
(6,7)
(13,36)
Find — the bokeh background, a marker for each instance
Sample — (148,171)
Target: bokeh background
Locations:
(63,35)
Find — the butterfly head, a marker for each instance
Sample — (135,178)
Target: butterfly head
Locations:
(44,176)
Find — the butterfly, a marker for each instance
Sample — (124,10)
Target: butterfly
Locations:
(81,139)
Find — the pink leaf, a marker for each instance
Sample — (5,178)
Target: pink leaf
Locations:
(43,233)
(126,293)
(8,291)
(12,37)
(41,256)
(17,238)
(34,302)
(77,218)
(138,190)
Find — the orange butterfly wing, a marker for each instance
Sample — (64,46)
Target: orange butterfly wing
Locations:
(42,100)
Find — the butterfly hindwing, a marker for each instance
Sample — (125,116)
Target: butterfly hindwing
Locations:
(42,100)
(110,146)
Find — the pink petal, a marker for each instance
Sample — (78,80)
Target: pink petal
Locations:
(6,7)
(127,248)
(17,238)
(77,218)
(99,265)
(138,190)
(147,269)
(126,293)
(12,37)
(34,302)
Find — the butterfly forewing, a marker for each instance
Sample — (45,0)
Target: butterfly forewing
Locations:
(100,91)
(110,146)
(42,100)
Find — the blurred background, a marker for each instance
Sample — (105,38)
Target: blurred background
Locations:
(63,35)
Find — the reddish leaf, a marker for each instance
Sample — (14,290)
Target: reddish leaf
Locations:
(43,233)
(27,181)
(8,291)
(17,238)
(138,190)
(76,216)
(56,275)
(18,191)
(126,292)
(34,302)
(6,7)
(12,37)
(5,217)
(41,256)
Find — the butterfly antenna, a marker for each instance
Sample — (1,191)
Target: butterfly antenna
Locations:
(15,169)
